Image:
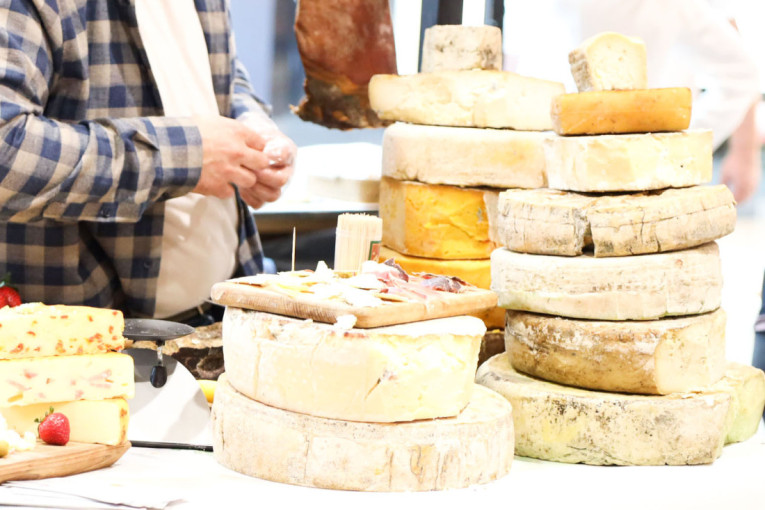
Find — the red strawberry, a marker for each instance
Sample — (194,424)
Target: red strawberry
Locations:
(54,429)
(9,296)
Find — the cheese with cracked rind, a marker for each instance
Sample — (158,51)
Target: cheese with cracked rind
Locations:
(552,222)
(491,99)
(628,162)
(406,372)
(564,424)
(746,386)
(609,61)
(650,357)
(461,47)
(643,287)
(475,447)
(464,156)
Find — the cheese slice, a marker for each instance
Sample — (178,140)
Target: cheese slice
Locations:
(618,288)
(266,442)
(35,329)
(464,156)
(746,386)
(635,162)
(609,61)
(461,47)
(396,373)
(90,421)
(622,111)
(654,357)
(28,381)
(491,99)
(440,222)
(552,222)
(565,424)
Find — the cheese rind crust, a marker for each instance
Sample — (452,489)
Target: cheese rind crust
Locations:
(474,448)
(461,47)
(644,287)
(565,424)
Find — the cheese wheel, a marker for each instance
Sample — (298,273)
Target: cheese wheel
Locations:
(622,111)
(618,288)
(440,222)
(492,99)
(406,372)
(633,162)
(552,222)
(464,156)
(609,61)
(461,47)
(654,357)
(746,386)
(282,446)
(565,424)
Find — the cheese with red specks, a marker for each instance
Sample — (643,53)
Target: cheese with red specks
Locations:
(35,330)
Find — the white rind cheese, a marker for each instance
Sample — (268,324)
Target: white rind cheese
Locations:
(552,222)
(631,162)
(651,357)
(643,287)
(609,61)
(262,441)
(461,47)
(464,156)
(396,373)
(565,424)
(746,385)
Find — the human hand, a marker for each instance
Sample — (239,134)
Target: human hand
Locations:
(281,152)
(742,171)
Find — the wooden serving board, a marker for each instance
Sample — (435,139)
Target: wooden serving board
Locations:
(306,307)
(47,461)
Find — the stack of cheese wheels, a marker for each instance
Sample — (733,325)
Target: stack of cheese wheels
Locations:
(615,335)
(61,357)
(465,131)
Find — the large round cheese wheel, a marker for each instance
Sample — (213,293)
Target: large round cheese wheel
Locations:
(270,443)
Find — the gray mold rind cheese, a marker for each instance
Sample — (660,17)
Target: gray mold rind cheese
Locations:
(262,441)
(565,424)
(642,287)
(552,222)
(650,357)
(461,47)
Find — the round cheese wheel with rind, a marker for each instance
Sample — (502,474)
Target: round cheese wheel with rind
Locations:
(566,424)
(406,372)
(642,287)
(475,447)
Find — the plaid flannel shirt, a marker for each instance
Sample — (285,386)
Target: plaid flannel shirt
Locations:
(86,157)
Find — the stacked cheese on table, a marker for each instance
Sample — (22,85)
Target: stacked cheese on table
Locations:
(465,131)
(62,357)
(615,335)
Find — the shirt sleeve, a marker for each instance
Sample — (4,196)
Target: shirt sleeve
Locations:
(95,170)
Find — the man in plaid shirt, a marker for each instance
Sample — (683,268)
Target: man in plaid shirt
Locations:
(88,161)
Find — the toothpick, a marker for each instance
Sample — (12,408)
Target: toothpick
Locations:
(294,237)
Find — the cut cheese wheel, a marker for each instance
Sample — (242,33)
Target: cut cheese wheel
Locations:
(461,47)
(619,288)
(609,61)
(396,373)
(282,446)
(622,111)
(464,156)
(493,99)
(635,162)
(565,424)
(746,385)
(654,357)
(552,222)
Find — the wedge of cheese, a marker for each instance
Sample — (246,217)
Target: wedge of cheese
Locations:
(491,99)
(635,162)
(440,222)
(643,287)
(28,381)
(746,386)
(651,357)
(609,61)
(565,424)
(464,156)
(266,442)
(35,329)
(90,421)
(552,222)
(622,111)
(461,47)
(406,372)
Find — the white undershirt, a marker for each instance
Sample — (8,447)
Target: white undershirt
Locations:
(200,233)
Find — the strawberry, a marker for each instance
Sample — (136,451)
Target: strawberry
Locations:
(8,295)
(53,428)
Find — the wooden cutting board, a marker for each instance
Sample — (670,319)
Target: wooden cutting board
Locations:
(47,461)
(306,307)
